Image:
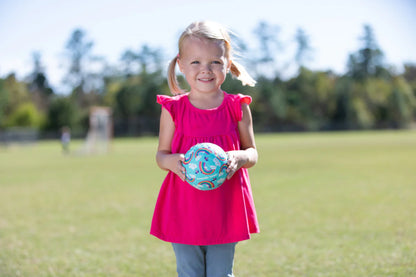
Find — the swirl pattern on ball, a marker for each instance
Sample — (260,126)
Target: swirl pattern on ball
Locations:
(205,165)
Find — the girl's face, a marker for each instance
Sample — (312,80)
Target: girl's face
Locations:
(204,64)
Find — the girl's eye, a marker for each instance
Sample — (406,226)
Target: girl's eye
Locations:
(195,62)
(216,62)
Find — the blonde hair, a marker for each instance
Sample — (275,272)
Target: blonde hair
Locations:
(211,31)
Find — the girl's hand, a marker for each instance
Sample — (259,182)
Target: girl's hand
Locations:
(240,158)
(236,160)
(171,162)
(176,165)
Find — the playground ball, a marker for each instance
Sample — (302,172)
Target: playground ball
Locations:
(206,165)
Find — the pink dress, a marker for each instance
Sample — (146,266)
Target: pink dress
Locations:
(184,214)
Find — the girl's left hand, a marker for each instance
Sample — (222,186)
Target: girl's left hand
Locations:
(236,160)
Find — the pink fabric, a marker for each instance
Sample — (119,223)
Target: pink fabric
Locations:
(186,215)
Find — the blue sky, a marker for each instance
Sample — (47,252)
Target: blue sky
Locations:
(333,27)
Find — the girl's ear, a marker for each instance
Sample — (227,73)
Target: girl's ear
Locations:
(230,63)
(179,62)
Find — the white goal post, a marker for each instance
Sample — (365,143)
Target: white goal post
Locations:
(100,132)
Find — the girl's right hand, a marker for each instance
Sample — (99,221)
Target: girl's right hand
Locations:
(171,162)
(177,166)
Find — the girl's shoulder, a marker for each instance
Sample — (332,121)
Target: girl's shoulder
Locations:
(239,98)
(164,99)
(173,104)
(235,102)
(169,101)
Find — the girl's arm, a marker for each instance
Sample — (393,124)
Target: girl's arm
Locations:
(247,156)
(164,157)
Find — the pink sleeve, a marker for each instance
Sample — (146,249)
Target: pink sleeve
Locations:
(167,103)
(245,99)
(241,99)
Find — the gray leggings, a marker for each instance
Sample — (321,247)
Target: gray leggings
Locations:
(204,261)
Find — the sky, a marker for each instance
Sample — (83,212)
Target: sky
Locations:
(333,27)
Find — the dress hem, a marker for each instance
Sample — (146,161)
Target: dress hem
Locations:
(163,238)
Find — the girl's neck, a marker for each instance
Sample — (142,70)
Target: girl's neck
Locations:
(206,101)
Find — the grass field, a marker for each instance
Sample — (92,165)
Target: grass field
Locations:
(329,204)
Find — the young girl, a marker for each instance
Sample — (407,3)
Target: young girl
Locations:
(204,226)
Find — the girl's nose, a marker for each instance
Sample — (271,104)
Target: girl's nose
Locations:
(206,68)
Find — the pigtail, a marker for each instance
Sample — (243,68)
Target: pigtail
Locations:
(172,80)
(238,71)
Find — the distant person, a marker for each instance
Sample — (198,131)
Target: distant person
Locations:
(205,226)
(65,139)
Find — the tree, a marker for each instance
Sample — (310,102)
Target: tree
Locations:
(84,70)
(4,101)
(62,112)
(368,60)
(409,75)
(410,72)
(26,115)
(13,93)
(78,50)
(269,106)
(128,59)
(401,104)
(303,50)
(311,99)
(341,118)
(38,84)
(150,60)
(145,60)
(269,45)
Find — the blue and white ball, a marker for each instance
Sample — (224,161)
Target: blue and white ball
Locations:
(206,166)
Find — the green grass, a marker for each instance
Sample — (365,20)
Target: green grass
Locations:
(329,204)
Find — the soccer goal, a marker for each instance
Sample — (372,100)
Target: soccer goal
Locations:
(100,132)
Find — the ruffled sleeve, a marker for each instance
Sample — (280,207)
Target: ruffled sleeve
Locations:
(167,102)
(245,99)
(238,100)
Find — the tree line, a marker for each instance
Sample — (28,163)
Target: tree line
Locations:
(369,95)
